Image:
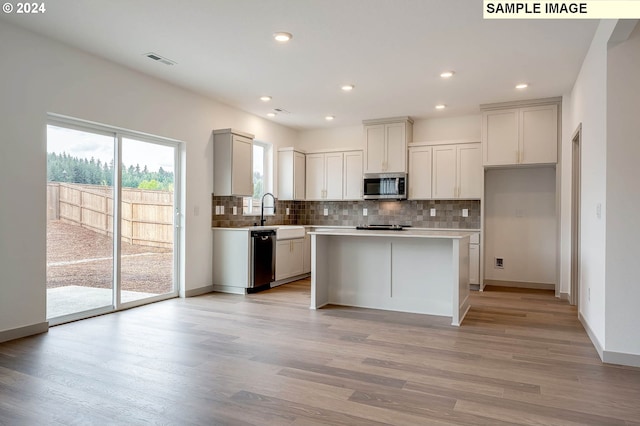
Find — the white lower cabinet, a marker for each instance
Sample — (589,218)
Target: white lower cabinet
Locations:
(289,258)
(474,259)
(306,260)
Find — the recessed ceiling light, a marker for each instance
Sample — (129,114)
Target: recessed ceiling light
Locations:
(522,86)
(265,98)
(271,114)
(447,74)
(282,37)
(348,87)
(441,106)
(329,117)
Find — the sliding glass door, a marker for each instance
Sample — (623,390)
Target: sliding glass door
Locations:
(111,219)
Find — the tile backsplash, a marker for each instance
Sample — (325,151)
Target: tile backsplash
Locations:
(350,213)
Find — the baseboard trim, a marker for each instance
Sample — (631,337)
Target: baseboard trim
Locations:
(229,289)
(198,291)
(564,296)
(29,330)
(520,284)
(592,336)
(621,358)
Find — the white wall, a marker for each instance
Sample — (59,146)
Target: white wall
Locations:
(425,130)
(520,224)
(447,128)
(40,76)
(623,197)
(587,104)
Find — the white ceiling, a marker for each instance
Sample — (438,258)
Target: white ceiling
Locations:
(393,51)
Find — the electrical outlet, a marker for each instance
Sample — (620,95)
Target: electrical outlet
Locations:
(499,263)
(287,211)
(465,212)
(432,212)
(221,209)
(217,209)
(235,210)
(365,212)
(326,212)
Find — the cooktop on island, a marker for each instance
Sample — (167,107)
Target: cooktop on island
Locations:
(383,227)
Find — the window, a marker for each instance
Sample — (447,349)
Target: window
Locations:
(262,182)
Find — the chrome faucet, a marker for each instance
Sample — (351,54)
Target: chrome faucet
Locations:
(262,219)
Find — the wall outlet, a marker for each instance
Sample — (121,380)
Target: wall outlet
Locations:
(365,212)
(499,263)
(221,209)
(217,209)
(235,210)
(432,212)
(326,212)
(287,211)
(465,212)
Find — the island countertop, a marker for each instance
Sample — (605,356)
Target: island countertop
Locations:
(405,233)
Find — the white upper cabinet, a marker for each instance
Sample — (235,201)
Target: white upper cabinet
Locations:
(470,174)
(419,173)
(445,171)
(324,179)
(386,144)
(232,163)
(523,135)
(291,174)
(352,175)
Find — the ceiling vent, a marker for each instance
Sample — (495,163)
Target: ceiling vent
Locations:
(281,111)
(159,58)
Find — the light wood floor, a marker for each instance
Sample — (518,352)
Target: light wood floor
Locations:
(521,357)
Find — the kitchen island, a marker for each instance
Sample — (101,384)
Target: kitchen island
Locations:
(417,271)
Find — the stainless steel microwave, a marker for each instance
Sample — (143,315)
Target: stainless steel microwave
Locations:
(392,186)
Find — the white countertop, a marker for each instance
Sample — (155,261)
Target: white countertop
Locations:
(341,227)
(405,233)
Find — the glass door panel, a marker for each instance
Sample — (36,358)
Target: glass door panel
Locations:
(80,170)
(147,265)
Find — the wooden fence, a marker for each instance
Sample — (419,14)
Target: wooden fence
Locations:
(147,216)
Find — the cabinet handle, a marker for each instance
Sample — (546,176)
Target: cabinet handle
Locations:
(522,156)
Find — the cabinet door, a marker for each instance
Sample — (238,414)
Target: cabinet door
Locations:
(285,175)
(470,171)
(315,177)
(444,172)
(297,257)
(375,148)
(333,175)
(241,166)
(539,134)
(474,264)
(500,137)
(299,174)
(396,150)
(283,259)
(420,173)
(353,175)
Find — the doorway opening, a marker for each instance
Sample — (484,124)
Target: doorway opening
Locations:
(112,219)
(576,176)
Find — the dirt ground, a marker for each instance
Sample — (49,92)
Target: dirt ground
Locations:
(79,256)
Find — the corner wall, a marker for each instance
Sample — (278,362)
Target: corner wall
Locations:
(623,200)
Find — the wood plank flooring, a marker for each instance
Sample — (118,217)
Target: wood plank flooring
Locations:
(520,357)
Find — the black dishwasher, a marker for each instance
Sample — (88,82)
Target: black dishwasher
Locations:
(263,257)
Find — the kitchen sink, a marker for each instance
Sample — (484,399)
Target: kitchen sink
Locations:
(289,232)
